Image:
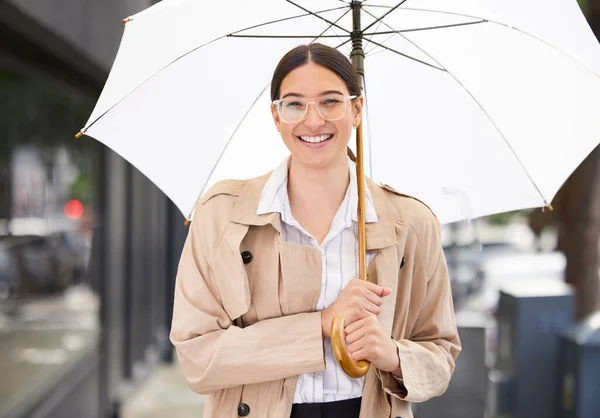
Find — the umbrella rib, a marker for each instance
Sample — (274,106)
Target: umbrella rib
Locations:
(289,18)
(373,34)
(424,29)
(478,103)
(380,19)
(345,42)
(150,77)
(395,32)
(584,65)
(398,33)
(406,56)
(315,14)
(287,36)
(230,139)
(331,27)
(313,37)
(342,44)
(370,52)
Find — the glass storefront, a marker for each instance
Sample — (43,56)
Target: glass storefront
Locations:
(49,310)
(47,179)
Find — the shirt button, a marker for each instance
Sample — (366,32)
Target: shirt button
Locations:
(243,410)
(246,258)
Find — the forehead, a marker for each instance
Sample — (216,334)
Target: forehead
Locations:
(311,79)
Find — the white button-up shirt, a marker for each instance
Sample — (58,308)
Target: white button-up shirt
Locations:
(340,265)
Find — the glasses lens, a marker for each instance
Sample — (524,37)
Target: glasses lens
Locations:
(292,109)
(332,106)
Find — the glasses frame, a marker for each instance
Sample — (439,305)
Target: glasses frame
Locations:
(313,102)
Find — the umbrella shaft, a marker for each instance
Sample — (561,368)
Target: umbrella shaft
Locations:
(357,56)
(360,177)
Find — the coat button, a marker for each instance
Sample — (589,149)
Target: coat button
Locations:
(243,410)
(402,262)
(246,257)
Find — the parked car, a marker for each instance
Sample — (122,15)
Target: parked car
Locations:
(465,266)
(41,258)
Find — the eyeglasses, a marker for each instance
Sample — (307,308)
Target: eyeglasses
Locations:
(330,107)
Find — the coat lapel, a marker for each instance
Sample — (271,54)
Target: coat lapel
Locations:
(383,269)
(234,290)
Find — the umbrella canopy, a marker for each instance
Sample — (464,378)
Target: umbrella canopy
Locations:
(474,106)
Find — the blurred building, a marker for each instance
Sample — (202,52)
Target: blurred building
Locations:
(88,246)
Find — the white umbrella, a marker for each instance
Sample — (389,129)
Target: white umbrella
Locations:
(474,106)
(487,116)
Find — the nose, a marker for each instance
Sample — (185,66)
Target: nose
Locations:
(312,118)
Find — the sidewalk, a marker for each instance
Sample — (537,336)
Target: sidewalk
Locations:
(165,394)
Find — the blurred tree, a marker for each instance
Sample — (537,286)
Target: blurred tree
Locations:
(39,113)
(577,214)
(507,217)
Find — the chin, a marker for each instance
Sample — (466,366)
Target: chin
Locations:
(319,161)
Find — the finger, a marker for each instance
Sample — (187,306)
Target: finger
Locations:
(362,353)
(355,326)
(356,335)
(371,308)
(386,292)
(378,290)
(369,322)
(358,315)
(356,347)
(372,297)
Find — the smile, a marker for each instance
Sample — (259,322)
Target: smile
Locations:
(315,139)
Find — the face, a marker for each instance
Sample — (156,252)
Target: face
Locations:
(314,141)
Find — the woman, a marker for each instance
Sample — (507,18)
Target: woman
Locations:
(270,261)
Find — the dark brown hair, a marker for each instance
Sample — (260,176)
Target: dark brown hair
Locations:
(320,54)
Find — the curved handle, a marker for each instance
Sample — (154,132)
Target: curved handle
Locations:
(338,343)
(338,340)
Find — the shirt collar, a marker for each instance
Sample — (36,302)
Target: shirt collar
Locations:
(274,197)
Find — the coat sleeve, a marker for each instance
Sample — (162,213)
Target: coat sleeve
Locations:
(427,357)
(214,353)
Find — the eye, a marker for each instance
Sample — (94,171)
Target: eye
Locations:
(294,104)
(330,101)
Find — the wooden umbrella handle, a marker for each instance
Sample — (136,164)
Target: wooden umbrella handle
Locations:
(338,343)
(338,340)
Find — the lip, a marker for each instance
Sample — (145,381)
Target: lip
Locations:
(317,144)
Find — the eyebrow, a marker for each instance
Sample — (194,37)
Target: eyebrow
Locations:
(320,94)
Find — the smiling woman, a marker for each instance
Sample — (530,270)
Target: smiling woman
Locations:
(270,262)
(325,78)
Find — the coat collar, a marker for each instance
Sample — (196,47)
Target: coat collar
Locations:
(380,234)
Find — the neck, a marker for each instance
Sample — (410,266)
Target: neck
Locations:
(317,189)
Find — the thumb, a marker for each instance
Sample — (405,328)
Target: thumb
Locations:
(386,291)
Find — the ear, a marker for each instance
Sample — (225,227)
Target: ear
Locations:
(357,106)
(276,118)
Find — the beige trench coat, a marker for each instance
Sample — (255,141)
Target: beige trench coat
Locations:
(244,330)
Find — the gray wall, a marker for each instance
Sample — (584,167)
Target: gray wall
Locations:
(92,27)
(72,42)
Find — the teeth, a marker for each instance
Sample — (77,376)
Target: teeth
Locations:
(316,139)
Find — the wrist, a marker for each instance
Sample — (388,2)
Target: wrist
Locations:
(325,324)
(396,370)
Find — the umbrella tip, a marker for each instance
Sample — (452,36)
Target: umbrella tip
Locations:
(187,222)
(80,133)
(126,20)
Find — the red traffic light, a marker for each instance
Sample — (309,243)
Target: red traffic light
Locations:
(73,209)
